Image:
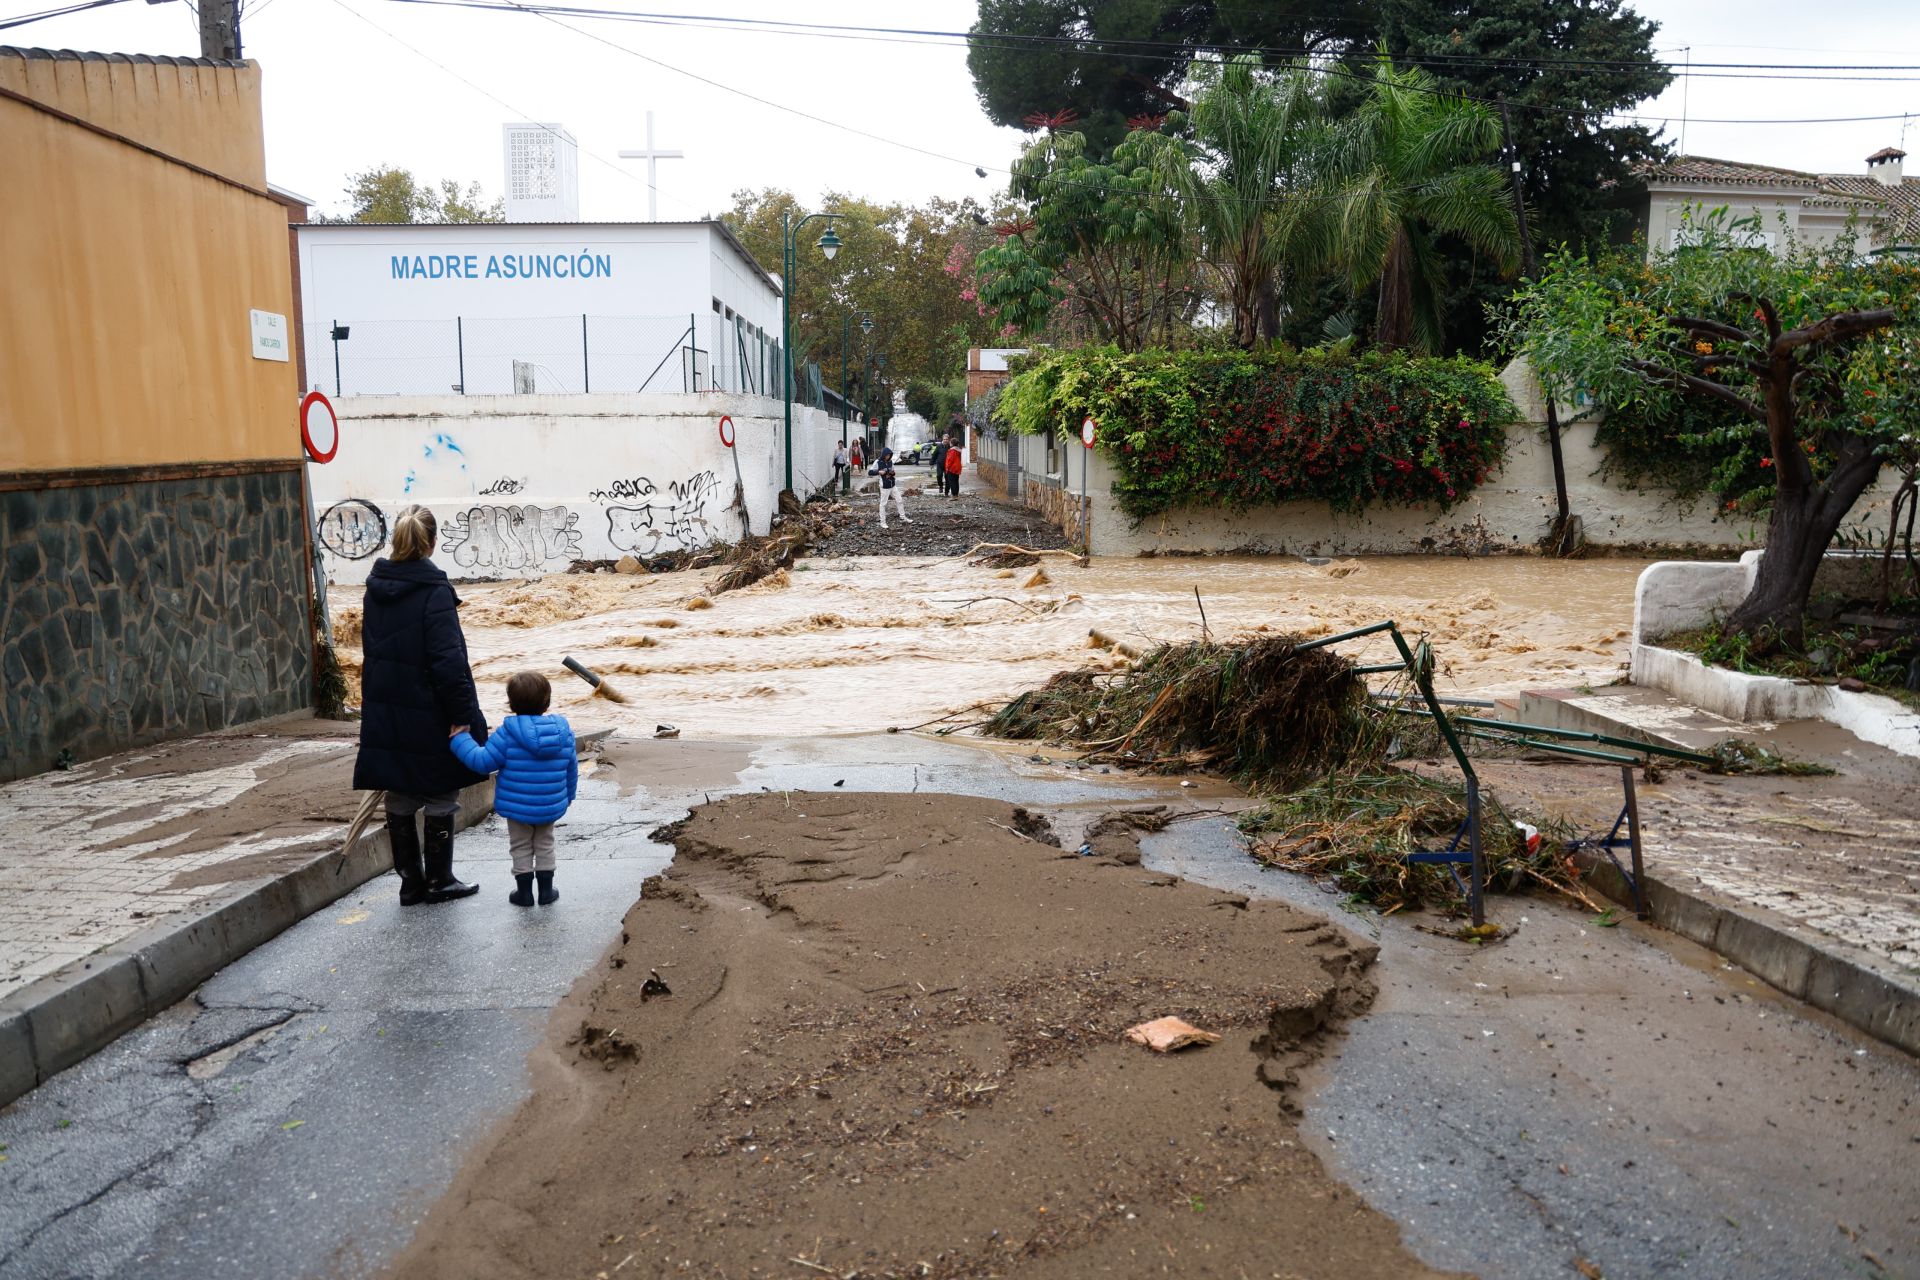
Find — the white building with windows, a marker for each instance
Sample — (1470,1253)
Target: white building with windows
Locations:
(1882,200)
(536,307)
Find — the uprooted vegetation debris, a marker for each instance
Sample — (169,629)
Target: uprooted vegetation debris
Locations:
(1296,727)
(752,559)
(1263,711)
(1740,755)
(1356,829)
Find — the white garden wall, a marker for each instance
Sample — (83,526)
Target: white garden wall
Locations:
(525,485)
(1512,509)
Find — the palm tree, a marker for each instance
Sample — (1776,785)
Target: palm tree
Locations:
(1406,167)
(1254,137)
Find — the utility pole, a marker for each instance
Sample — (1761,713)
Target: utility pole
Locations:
(220,30)
(1562,534)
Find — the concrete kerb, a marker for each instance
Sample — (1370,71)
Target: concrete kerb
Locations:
(51,1024)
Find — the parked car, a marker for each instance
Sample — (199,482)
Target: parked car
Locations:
(918,455)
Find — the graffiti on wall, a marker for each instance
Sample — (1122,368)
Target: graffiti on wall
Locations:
(674,519)
(353,529)
(503,487)
(624,490)
(522,537)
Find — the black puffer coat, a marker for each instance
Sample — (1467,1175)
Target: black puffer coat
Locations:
(415,683)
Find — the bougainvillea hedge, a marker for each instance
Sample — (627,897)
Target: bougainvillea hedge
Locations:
(1237,429)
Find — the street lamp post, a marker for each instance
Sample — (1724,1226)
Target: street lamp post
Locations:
(829,245)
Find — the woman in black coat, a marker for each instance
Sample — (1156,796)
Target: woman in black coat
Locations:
(415,684)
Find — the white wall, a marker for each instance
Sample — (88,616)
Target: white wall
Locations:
(524,485)
(1512,509)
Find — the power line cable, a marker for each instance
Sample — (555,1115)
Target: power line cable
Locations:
(44,14)
(550,12)
(1147,49)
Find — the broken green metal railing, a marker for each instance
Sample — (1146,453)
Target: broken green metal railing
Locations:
(1514,731)
(1417,662)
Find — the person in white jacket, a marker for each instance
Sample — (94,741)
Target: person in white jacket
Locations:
(890,486)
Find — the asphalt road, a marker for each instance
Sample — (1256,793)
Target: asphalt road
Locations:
(297,1117)
(1609,1095)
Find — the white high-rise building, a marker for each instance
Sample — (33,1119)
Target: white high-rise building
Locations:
(543,174)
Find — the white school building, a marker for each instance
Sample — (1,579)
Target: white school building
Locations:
(535,308)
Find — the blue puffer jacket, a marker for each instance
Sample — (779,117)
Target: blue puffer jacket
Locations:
(538,770)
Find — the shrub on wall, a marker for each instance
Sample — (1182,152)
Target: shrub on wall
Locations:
(1246,429)
(1691,448)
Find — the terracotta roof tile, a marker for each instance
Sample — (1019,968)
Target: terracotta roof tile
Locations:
(1708,169)
(1902,202)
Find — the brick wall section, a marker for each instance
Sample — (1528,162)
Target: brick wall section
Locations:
(135,611)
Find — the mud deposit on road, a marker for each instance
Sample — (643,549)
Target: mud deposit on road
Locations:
(894,1047)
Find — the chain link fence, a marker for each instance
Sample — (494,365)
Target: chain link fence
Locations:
(545,355)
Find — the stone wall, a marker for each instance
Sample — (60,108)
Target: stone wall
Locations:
(138,610)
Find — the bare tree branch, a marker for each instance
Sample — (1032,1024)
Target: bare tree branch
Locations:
(1845,325)
(1675,378)
(1728,360)
(1712,328)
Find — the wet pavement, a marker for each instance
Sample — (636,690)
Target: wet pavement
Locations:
(1613,1096)
(1706,1128)
(375,1046)
(94,854)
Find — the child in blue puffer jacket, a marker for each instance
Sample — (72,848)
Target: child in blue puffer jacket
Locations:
(539,775)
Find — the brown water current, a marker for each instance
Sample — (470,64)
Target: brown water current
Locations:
(859,644)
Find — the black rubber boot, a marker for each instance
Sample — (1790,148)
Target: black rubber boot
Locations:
(548,894)
(522,895)
(441,886)
(404,837)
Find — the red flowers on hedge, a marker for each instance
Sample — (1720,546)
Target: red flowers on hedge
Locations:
(1237,430)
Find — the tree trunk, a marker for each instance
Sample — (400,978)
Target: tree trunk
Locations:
(1393,326)
(1798,534)
(1269,310)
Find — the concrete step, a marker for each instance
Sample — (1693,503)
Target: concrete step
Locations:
(1626,711)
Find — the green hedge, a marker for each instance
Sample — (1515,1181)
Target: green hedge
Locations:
(1237,429)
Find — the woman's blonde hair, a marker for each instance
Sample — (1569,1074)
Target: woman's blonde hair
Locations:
(414,533)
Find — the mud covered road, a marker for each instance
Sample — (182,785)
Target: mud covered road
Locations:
(894,1047)
(1576,1094)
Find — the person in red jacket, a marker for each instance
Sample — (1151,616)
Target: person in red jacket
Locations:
(954,462)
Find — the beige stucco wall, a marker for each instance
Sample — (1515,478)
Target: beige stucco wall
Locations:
(125,334)
(1668,208)
(205,115)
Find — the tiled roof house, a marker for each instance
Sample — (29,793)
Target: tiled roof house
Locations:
(1816,205)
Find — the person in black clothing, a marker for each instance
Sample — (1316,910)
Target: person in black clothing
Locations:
(938,464)
(415,684)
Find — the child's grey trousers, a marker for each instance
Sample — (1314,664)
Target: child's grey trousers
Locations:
(532,847)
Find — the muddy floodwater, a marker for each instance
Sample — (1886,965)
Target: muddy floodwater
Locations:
(858,644)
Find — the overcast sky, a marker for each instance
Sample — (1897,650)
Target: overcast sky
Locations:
(344,92)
